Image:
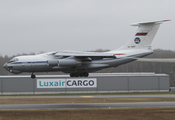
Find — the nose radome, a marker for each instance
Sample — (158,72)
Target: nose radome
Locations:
(5,65)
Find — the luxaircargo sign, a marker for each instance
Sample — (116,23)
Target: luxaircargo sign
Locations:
(67,83)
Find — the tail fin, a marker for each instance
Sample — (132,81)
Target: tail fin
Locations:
(144,35)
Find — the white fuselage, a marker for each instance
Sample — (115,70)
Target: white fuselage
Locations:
(39,63)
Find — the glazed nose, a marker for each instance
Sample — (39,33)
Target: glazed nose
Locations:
(5,66)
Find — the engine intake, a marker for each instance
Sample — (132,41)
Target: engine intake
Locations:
(52,62)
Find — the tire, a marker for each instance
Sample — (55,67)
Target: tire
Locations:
(33,76)
(81,74)
(72,75)
(86,74)
(76,74)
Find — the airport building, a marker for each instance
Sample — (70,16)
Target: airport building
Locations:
(95,83)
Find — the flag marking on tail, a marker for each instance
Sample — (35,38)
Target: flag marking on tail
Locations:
(141,34)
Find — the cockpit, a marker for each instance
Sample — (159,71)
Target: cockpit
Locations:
(13,60)
(10,66)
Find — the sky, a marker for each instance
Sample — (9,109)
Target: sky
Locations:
(32,26)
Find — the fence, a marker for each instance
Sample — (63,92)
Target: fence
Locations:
(106,83)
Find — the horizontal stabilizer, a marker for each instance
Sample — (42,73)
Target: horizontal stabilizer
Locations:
(149,22)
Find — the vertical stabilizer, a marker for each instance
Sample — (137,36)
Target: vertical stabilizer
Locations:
(144,35)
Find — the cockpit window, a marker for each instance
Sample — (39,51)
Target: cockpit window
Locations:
(13,60)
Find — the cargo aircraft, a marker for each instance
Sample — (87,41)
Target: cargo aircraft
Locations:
(80,64)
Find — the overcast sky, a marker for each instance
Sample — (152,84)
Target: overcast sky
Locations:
(47,25)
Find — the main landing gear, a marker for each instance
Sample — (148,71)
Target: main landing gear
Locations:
(85,74)
(33,76)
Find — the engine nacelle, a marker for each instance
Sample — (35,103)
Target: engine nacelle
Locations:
(69,62)
(63,62)
(52,62)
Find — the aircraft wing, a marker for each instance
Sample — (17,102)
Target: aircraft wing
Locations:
(85,54)
(170,60)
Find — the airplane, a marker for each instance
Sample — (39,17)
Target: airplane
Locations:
(80,64)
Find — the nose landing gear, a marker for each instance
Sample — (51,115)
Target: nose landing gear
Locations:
(33,76)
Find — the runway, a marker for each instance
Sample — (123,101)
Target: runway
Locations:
(87,106)
(90,96)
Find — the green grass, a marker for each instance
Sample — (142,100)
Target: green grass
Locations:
(91,114)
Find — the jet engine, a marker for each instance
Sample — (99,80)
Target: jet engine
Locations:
(52,62)
(69,62)
(63,62)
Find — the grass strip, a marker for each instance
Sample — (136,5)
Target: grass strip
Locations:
(91,114)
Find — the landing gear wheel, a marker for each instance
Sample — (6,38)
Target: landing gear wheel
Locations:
(71,75)
(86,74)
(76,74)
(33,76)
(81,74)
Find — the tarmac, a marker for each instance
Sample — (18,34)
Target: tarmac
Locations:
(93,96)
(87,106)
